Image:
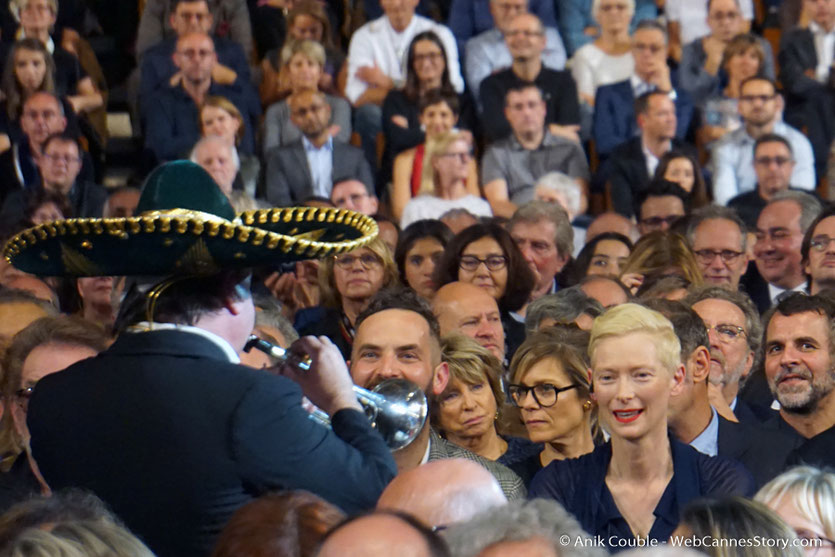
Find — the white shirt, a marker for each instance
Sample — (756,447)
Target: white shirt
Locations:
(378,42)
(825,48)
(691,15)
(431,207)
(774,291)
(592,68)
(651,160)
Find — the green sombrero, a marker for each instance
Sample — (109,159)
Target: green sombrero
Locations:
(185,225)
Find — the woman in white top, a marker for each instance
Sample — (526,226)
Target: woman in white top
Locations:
(446,166)
(609,58)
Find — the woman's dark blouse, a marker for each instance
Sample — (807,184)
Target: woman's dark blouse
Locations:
(579,485)
(522,456)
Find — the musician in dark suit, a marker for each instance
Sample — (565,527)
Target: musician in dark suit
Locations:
(166,426)
(307,167)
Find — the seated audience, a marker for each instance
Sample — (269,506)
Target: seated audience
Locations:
(487,52)
(568,306)
(510,167)
(292,523)
(617,490)
(303,62)
(816,252)
(608,58)
(463,307)
(221,118)
(447,165)
(487,256)
(405,124)
(579,27)
(680,167)
(98,299)
(614,116)
(438,114)
(688,21)
(719,239)
(220,159)
(549,383)
(732,157)
(525,37)
(419,249)
(605,254)
(350,193)
(471,18)
(347,283)
(660,206)
(308,165)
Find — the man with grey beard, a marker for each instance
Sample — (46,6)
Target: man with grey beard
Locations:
(798,346)
(734,331)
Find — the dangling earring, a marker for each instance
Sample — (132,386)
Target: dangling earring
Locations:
(587,405)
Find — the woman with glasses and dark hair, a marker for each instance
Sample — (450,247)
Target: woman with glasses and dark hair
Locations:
(486,255)
(549,383)
(426,70)
(419,249)
(471,408)
(347,282)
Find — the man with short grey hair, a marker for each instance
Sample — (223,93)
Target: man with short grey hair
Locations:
(719,241)
(543,233)
(569,305)
(220,159)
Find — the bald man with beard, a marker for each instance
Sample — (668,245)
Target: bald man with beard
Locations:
(466,308)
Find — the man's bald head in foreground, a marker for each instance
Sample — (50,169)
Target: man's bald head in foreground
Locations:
(382,534)
(443,492)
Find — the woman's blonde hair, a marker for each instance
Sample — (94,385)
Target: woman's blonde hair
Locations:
(631,318)
(216,101)
(471,364)
(434,147)
(811,491)
(330,296)
(657,252)
(310,49)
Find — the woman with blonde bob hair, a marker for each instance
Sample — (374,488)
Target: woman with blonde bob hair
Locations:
(549,383)
(658,254)
(634,485)
(347,282)
(804,496)
(468,412)
(447,165)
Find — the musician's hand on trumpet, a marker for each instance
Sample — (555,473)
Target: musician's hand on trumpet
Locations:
(327,383)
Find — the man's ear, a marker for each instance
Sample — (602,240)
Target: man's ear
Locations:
(678,380)
(699,364)
(440,378)
(375,203)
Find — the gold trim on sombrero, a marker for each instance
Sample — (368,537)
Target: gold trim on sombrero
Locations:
(77,235)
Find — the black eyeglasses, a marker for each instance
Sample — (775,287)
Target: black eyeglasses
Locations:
(545,394)
(493,262)
(658,222)
(706,256)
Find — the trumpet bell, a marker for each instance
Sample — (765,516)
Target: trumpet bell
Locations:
(401,415)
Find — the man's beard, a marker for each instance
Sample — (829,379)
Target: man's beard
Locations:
(803,399)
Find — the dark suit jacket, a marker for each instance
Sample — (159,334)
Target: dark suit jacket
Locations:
(818,451)
(86,199)
(175,438)
(762,452)
(797,54)
(288,175)
(626,173)
(614,115)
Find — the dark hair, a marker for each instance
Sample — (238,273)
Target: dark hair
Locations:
(659,187)
(411,89)
(651,24)
(184,300)
(10,85)
(437,96)
(520,278)
(642,102)
(773,138)
(63,137)
(43,197)
(521,86)
(698,195)
(581,263)
(740,44)
(175,3)
(315,10)
(564,306)
(806,245)
(688,326)
(405,299)
(798,302)
(418,230)
(291,524)
(435,544)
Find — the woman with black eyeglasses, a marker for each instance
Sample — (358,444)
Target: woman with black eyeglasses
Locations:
(347,282)
(486,255)
(549,383)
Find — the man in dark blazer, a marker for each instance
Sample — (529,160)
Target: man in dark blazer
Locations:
(809,82)
(614,114)
(167,427)
(307,167)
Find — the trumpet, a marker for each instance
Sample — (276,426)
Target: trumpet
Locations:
(396,408)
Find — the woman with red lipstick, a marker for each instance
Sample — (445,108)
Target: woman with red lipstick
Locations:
(635,485)
(469,410)
(550,385)
(486,255)
(419,249)
(347,282)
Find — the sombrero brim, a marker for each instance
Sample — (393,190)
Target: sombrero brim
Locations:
(186,242)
